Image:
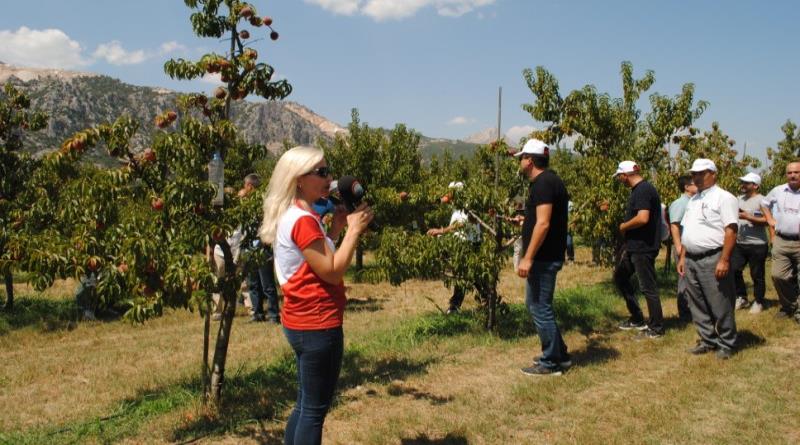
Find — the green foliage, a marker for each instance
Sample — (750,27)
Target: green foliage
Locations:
(788,151)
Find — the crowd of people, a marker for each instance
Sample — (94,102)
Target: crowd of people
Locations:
(715,235)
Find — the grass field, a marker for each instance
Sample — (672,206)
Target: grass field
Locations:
(411,375)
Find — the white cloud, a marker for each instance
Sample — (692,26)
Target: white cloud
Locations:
(47,48)
(171,47)
(460,120)
(514,134)
(381,10)
(113,53)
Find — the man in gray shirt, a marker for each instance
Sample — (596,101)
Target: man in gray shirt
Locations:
(782,209)
(751,244)
(676,210)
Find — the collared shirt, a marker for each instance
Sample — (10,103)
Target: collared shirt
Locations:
(677,208)
(749,233)
(784,203)
(707,215)
(467,231)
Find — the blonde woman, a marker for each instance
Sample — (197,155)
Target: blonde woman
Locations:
(310,271)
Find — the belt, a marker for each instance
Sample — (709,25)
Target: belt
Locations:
(788,237)
(706,254)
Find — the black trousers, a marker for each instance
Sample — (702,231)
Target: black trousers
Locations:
(755,256)
(644,266)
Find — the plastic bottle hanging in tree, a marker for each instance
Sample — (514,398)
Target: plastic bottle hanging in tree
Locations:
(216,175)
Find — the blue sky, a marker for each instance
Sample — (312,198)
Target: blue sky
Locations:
(435,65)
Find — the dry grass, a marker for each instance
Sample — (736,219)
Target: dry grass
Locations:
(451,389)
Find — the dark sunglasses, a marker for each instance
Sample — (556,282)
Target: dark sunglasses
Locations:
(322,172)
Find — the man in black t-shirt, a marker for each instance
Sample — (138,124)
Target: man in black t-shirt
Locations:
(544,239)
(642,242)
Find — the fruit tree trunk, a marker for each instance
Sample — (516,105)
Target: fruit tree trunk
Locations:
(9,291)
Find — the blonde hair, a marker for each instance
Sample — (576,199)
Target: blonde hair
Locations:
(282,188)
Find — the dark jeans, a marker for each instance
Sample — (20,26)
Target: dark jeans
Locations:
(319,360)
(570,247)
(755,256)
(644,266)
(261,285)
(85,294)
(539,289)
(459,292)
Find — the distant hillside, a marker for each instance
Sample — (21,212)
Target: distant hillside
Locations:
(77,100)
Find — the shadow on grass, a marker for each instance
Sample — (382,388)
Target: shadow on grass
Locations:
(597,351)
(747,339)
(49,315)
(397,390)
(423,439)
(369,304)
(264,394)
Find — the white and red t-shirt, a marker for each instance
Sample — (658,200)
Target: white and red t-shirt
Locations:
(309,302)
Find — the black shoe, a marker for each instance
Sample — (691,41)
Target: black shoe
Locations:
(701,348)
(629,325)
(257,319)
(724,353)
(649,333)
(564,364)
(538,370)
(275,320)
(782,313)
(452,310)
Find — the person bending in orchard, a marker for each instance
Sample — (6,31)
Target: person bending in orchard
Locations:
(709,235)
(642,242)
(544,240)
(310,271)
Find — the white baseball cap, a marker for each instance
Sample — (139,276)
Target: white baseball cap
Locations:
(751,177)
(626,167)
(534,147)
(702,164)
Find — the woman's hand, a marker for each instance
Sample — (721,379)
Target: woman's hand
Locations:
(360,218)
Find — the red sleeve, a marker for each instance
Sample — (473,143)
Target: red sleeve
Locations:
(306,230)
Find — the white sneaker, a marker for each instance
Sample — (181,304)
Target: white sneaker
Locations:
(741,303)
(756,308)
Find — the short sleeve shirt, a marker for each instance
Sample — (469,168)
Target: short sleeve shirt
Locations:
(547,188)
(749,233)
(784,203)
(646,238)
(677,208)
(468,231)
(707,215)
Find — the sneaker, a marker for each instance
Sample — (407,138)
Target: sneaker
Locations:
(741,303)
(724,353)
(564,365)
(756,308)
(452,310)
(782,314)
(538,370)
(649,333)
(629,325)
(701,348)
(257,319)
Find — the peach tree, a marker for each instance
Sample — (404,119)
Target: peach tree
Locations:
(604,130)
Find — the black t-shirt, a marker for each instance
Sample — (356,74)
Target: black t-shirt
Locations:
(547,188)
(646,238)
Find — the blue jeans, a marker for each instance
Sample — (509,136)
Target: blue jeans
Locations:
(261,285)
(319,360)
(539,289)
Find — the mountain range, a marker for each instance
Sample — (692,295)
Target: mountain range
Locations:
(77,100)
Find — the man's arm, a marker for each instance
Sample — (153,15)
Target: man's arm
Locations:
(723,265)
(543,214)
(641,218)
(675,231)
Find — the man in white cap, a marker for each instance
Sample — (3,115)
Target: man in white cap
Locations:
(751,244)
(641,231)
(709,236)
(544,240)
(782,209)
(465,228)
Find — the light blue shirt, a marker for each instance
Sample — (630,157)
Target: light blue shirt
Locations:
(784,203)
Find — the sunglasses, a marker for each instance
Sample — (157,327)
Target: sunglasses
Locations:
(322,172)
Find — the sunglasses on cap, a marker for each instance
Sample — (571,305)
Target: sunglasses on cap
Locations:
(322,172)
